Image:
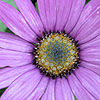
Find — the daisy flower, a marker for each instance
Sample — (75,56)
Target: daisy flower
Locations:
(55,52)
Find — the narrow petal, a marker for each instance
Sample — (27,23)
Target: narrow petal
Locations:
(91,55)
(63,8)
(15,43)
(22,86)
(50,91)
(14,58)
(79,91)
(8,75)
(63,91)
(93,67)
(56,13)
(90,81)
(39,90)
(29,12)
(93,43)
(47,11)
(75,12)
(89,23)
(13,19)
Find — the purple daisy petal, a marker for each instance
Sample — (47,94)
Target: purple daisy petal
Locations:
(90,81)
(15,43)
(79,91)
(75,12)
(22,86)
(93,43)
(14,58)
(89,23)
(62,90)
(39,90)
(91,55)
(29,12)
(50,91)
(47,11)
(55,14)
(13,19)
(93,67)
(8,75)
(63,8)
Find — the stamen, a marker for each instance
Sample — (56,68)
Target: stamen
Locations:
(57,55)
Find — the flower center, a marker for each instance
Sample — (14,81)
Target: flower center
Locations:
(57,55)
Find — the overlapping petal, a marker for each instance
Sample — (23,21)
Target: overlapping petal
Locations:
(91,55)
(13,19)
(50,91)
(38,92)
(95,42)
(93,67)
(78,90)
(90,81)
(14,58)
(47,11)
(56,13)
(63,8)
(8,74)
(75,12)
(22,86)
(88,25)
(30,14)
(12,42)
(63,90)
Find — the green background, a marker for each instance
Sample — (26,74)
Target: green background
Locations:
(3,28)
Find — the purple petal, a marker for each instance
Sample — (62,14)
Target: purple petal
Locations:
(90,81)
(29,12)
(79,91)
(47,11)
(39,90)
(91,55)
(22,86)
(13,19)
(8,75)
(14,58)
(89,23)
(63,91)
(50,91)
(15,43)
(93,43)
(75,12)
(63,8)
(93,67)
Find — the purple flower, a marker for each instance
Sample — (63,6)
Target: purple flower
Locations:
(65,60)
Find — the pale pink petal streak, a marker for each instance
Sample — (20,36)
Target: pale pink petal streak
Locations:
(31,15)
(13,19)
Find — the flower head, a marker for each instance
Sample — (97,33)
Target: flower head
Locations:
(55,52)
